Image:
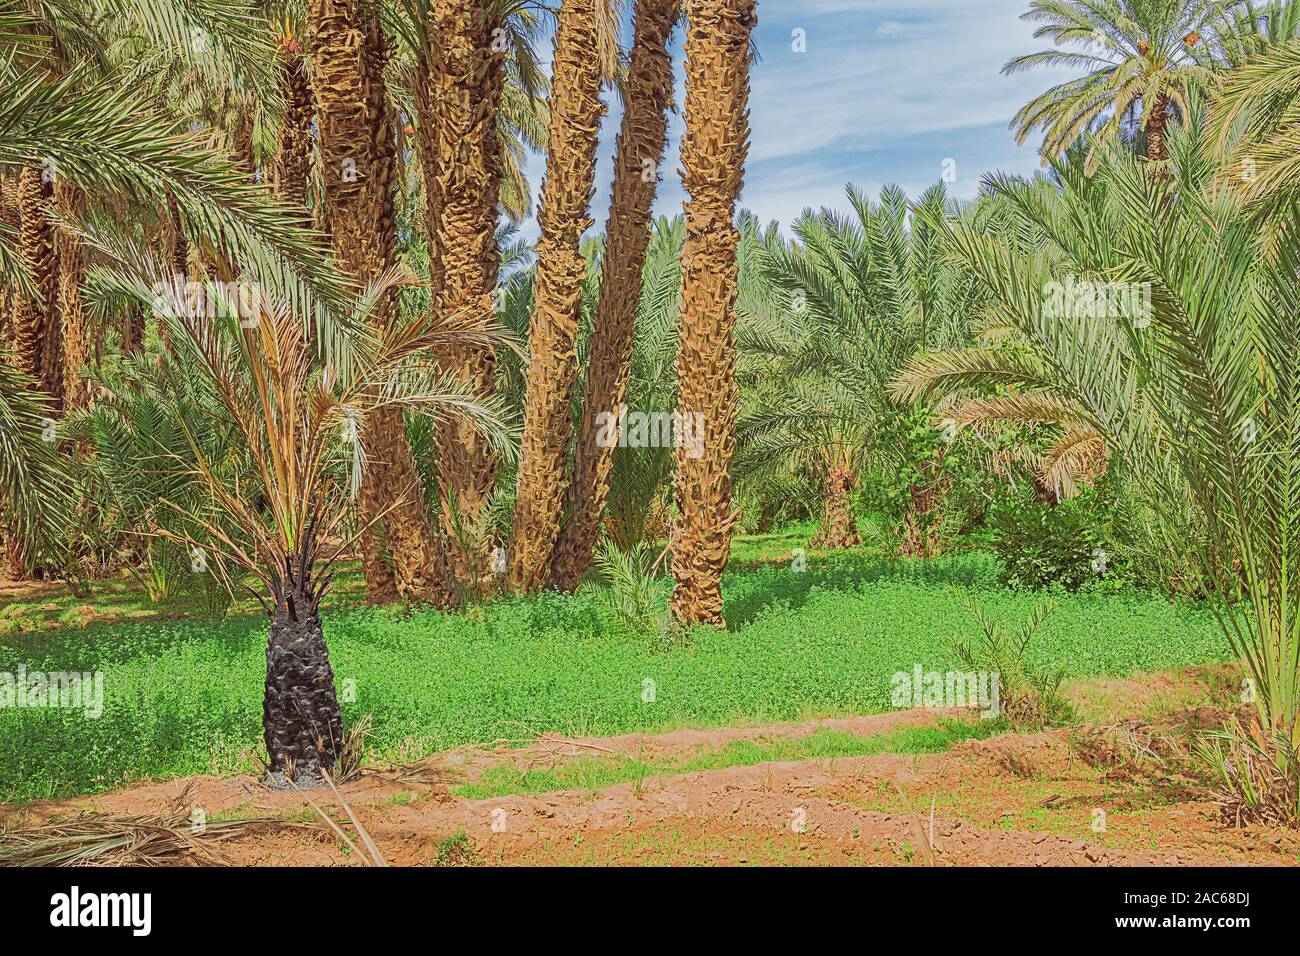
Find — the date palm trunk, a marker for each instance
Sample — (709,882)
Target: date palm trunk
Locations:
(294,161)
(72,276)
(11,217)
(301,721)
(576,112)
(36,335)
(636,176)
(713,164)
(463,80)
(838,529)
(1157,146)
(359,169)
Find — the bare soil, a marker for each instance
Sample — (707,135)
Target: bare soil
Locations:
(1116,791)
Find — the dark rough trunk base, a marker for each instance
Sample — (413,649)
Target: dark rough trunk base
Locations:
(301,719)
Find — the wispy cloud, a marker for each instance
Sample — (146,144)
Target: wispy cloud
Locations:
(870,91)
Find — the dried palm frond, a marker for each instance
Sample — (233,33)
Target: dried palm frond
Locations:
(94,839)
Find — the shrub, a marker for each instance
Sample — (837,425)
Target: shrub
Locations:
(1042,545)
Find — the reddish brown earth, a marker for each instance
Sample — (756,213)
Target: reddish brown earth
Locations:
(1021,799)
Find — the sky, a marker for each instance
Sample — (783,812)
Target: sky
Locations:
(886,91)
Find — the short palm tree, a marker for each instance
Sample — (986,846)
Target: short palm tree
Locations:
(1142,59)
(304,429)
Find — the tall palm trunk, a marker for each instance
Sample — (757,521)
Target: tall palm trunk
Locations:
(301,721)
(295,138)
(359,169)
(458,106)
(576,112)
(713,163)
(11,217)
(72,276)
(133,329)
(1157,148)
(640,151)
(37,339)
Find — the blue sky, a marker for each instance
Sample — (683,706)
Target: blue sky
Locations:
(886,91)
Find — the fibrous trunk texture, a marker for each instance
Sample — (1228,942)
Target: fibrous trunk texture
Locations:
(133,329)
(359,169)
(301,721)
(11,556)
(37,338)
(295,137)
(72,275)
(461,160)
(1157,149)
(567,188)
(627,234)
(838,529)
(11,216)
(713,164)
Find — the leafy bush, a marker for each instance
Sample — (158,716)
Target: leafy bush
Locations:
(1043,545)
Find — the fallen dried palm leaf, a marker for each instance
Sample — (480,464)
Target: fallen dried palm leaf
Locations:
(93,839)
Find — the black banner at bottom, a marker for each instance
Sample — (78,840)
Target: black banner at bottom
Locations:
(337,905)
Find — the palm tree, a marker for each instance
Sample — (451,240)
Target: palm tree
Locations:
(34,508)
(359,170)
(636,175)
(35,334)
(461,54)
(1261,98)
(1143,59)
(1004,380)
(567,189)
(826,322)
(302,428)
(1195,392)
(713,167)
(295,149)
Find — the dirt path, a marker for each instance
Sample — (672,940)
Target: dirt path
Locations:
(1118,794)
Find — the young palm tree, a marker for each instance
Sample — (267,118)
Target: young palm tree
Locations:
(713,167)
(636,176)
(359,170)
(303,429)
(825,324)
(1142,57)
(567,190)
(1196,393)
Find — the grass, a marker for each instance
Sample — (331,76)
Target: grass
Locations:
(184,696)
(595,773)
